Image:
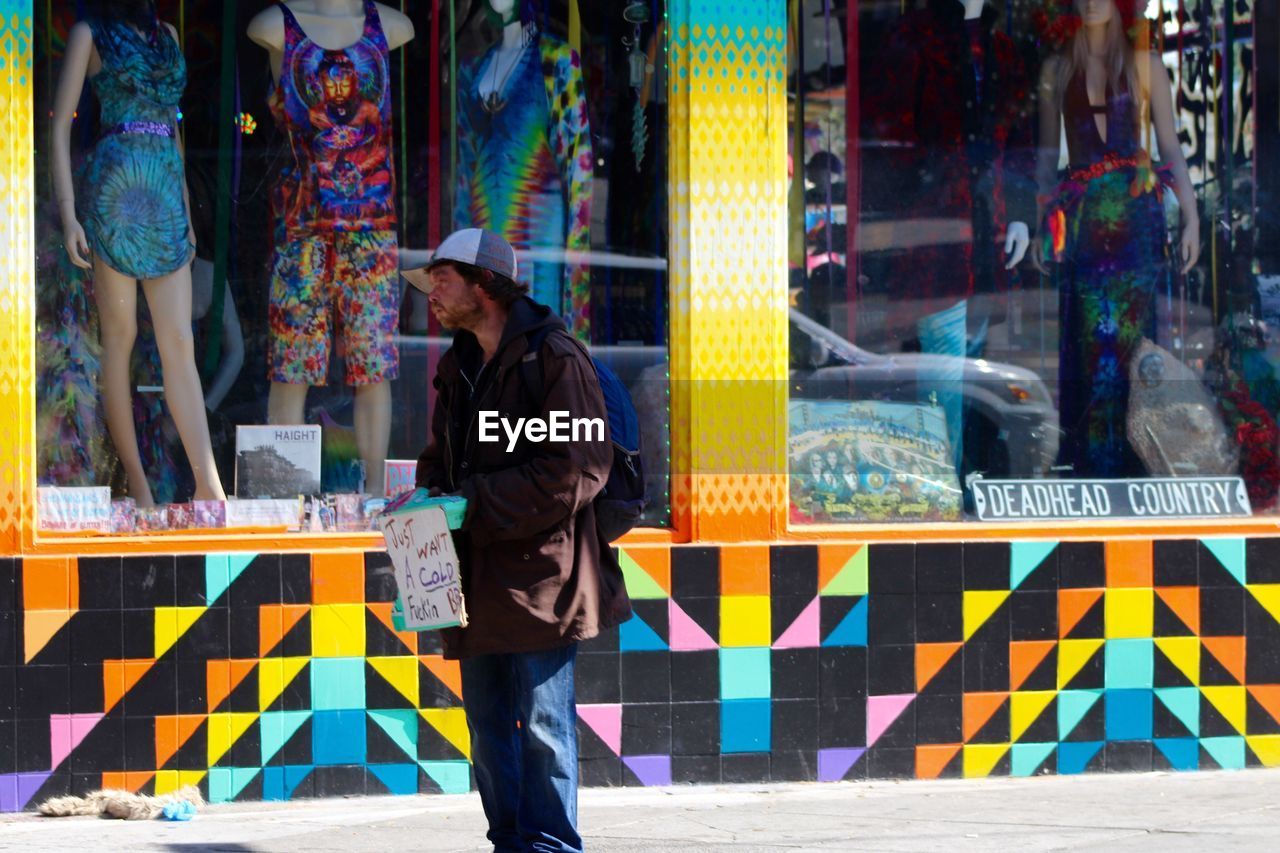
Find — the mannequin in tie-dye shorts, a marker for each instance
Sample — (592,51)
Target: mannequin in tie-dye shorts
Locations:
(525,160)
(335,266)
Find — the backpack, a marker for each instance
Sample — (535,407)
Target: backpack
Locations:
(619,504)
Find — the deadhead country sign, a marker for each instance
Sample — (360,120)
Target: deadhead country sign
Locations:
(1075,500)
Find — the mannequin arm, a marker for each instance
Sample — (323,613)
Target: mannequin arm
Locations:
(1171,155)
(75,68)
(1048,151)
(232,353)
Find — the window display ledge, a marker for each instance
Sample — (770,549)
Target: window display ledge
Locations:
(1058,531)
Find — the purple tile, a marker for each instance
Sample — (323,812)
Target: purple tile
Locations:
(650,769)
(834,763)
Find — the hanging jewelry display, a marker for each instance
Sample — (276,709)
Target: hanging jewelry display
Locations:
(637,14)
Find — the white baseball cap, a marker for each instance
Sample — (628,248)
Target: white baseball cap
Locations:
(473,246)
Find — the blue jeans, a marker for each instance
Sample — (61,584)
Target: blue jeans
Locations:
(524,747)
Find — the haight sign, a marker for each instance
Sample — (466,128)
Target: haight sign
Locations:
(1073,500)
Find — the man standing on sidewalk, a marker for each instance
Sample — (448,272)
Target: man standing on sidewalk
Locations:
(537,576)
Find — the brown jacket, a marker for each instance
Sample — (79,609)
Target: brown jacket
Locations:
(536,574)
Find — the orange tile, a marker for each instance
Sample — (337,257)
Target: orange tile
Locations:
(48,583)
(1129,563)
(744,570)
(932,759)
(337,578)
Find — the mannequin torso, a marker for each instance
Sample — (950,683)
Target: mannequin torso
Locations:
(517,38)
(332,24)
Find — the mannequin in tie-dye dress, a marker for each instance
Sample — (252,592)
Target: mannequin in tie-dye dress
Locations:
(525,163)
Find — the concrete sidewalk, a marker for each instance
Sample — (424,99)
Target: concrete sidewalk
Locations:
(1159,811)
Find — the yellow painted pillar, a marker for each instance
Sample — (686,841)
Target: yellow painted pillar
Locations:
(17,290)
(728,131)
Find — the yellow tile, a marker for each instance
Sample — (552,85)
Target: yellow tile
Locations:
(337,630)
(166,782)
(744,620)
(1129,613)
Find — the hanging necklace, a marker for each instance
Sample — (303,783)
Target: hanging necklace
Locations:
(494,102)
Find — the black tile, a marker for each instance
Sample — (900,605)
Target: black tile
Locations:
(695,572)
(902,731)
(590,744)
(646,729)
(244,635)
(842,671)
(57,785)
(744,767)
(8,584)
(139,634)
(55,652)
(832,610)
(44,690)
(1222,611)
(1262,658)
(598,678)
(258,584)
(1165,724)
(884,762)
(97,635)
(891,568)
(793,570)
(695,728)
(986,565)
(794,674)
(1043,576)
(996,628)
(32,740)
(1092,726)
(1092,676)
(949,678)
(1043,677)
(1082,565)
(9,693)
(1173,563)
(695,769)
(1212,572)
(939,718)
(295,578)
(341,781)
(297,749)
(694,675)
(9,746)
(139,743)
(1167,623)
(842,722)
(1090,626)
(155,693)
(1128,756)
(793,766)
(784,610)
(795,724)
(891,620)
(9,652)
(1258,719)
(705,612)
(1033,615)
(379,577)
(190,580)
(1044,729)
(103,747)
(192,687)
(86,689)
(1262,560)
(655,614)
(379,747)
(939,567)
(986,667)
(208,637)
(646,677)
(605,641)
(101,585)
(149,581)
(939,617)
(600,772)
(890,670)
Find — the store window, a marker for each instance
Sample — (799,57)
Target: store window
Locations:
(1032,260)
(264,170)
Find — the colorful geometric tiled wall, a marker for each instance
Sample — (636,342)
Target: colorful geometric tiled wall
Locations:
(278,675)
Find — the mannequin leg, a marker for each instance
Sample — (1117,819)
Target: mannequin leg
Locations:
(373,432)
(169,299)
(286,404)
(117,299)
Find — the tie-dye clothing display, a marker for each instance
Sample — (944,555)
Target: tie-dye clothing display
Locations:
(335,108)
(335,265)
(344,284)
(524,170)
(1108,231)
(131,203)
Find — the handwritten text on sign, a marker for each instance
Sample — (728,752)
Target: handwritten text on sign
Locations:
(426,568)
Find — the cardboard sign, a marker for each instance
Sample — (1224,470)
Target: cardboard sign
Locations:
(426,568)
(74,508)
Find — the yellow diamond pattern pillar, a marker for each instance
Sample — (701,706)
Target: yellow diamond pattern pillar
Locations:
(728,130)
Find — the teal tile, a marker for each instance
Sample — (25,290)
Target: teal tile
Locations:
(1130,664)
(337,684)
(745,673)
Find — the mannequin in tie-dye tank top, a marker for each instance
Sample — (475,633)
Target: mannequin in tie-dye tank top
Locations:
(525,160)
